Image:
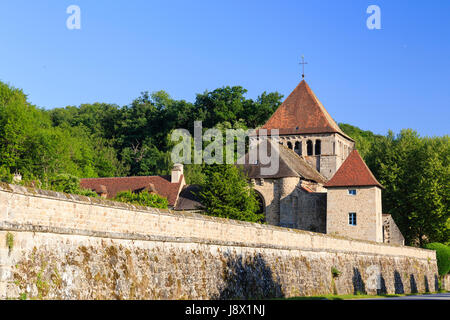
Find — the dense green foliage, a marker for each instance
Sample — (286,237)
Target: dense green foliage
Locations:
(143,198)
(68,184)
(415,172)
(442,256)
(225,193)
(30,143)
(139,132)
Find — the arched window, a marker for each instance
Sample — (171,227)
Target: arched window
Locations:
(289,145)
(309,148)
(261,204)
(298,148)
(318,147)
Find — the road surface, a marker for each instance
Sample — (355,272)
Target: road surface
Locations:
(434,296)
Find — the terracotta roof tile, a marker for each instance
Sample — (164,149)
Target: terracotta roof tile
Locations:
(161,184)
(353,172)
(302,113)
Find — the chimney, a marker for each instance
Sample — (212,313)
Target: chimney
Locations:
(177,172)
(17,177)
(151,189)
(102,191)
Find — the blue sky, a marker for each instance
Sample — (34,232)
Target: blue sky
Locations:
(393,78)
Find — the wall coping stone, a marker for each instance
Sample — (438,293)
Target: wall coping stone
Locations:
(39,193)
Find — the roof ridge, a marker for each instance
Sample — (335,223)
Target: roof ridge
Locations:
(302,112)
(162,175)
(326,113)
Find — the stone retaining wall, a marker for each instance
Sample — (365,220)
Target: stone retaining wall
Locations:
(55,246)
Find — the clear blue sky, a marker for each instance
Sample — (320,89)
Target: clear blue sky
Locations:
(393,78)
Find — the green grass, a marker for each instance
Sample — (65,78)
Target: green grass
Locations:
(343,297)
(353,296)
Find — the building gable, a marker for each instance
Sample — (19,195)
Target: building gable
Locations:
(353,172)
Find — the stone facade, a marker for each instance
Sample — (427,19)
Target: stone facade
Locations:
(327,152)
(366,204)
(320,157)
(446,282)
(391,232)
(288,204)
(58,246)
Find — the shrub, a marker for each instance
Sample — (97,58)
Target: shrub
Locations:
(5,175)
(442,256)
(10,241)
(68,184)
(87,193)
(335,272)
(143,198)
(64,183)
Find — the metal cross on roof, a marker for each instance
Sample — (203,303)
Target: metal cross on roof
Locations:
(303,66)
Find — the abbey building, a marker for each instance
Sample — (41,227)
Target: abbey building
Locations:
(322,184)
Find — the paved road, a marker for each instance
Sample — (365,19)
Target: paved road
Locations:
(435,296)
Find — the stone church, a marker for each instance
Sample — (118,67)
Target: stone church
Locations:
(323,184)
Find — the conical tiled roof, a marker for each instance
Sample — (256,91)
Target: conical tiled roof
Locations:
(302,112)
(353,172)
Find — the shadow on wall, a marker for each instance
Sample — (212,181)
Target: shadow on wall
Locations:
(413,284)
(249,278)
(358,283)
(436,283)
(398,283)
(382,286)
(427,287)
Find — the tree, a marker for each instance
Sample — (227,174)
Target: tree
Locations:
(31,143)
(225,193)
(416,174)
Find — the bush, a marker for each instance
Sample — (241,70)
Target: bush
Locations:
(335,272)
(442,256)
(64,183)
(68,184)
(143,198)
(5,175)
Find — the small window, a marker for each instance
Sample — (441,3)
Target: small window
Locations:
(289,145)
(352,218)
(318,148)
(298,147)
(352,192)
(309,148)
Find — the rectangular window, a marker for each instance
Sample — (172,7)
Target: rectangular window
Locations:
(352,192)
(352,218)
